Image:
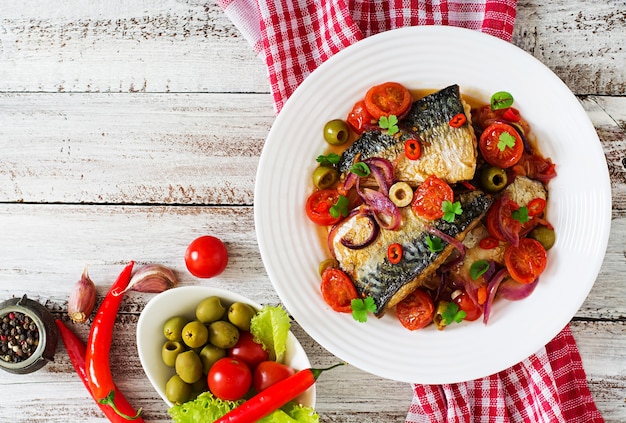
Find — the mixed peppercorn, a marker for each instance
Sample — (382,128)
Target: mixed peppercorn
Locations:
(19,337)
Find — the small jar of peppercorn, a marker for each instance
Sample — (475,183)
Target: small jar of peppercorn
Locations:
(28,335)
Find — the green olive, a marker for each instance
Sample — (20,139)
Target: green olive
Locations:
(170,351)
(209,355)
(544,235)
(195,334)
(223,334)
(240,314)
(493,178)
(336,132)
(327,264)
(189,366)
(325,177)
(173,328)
(401,194)
(210,309)
(177,390)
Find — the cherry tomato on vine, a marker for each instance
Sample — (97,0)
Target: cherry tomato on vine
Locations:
(247,350)
(359,118)
(501,145)
(318,207)
(229,379)
(338,290)
(389,98)
(416,310)
(526,261)
(206,256)
(429,197)
(268,373)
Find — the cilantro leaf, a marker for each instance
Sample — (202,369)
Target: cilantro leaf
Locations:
(521,214)
(478,268)
(450,210)
(452,314)
(434,244)
(501,100)
(340,208)
(361,307)
(328,160)
(506,140)
(390,123)
(361,169)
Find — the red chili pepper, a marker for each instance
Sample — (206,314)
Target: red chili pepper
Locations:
(468,185)
(536,206)
(412,149)
(97,362)
(511,114)
(274,397)
(488,243)
(394,253)
(76,351)
(458,120)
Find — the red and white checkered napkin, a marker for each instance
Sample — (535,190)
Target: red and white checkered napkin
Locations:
(294,37)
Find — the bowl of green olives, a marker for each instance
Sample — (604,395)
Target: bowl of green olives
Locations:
(183,331)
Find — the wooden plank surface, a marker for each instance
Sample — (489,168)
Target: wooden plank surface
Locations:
(108,110)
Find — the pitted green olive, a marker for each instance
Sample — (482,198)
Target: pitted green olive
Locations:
(173,328)
(223,334)
(240,314)
(401,194)
(170,351)
(325,177)
(189,366)
(544,235)
(209,355)
(327,264)
(210,309)
(493,178)
(177,391)
(336,132)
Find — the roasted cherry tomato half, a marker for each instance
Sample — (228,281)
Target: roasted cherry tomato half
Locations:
(526,261)
(416,310)
(501,145)
(412,149)
(389,98)
(206,257)
(229,379)
(248,350)
(338,290)
(359,118)
(268,373)
(394,253)
(465,303)
(429,197)
(318,207)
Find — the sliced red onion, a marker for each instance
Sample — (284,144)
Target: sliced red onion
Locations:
(374,229)
(380,178)
(514,291)
(348,183)
(385,211)
(509,227)
(333,230)
(384,165)
(492,288)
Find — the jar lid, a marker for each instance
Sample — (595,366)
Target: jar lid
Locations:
(18,354)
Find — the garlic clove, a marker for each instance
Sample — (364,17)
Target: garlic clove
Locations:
(152,278)
(82,299)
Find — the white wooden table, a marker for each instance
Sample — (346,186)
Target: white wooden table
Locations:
(129,127)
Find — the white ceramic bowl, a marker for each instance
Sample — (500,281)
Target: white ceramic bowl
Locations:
(182,301)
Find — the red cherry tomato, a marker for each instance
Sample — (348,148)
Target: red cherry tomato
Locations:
(465,303)
(248,351)
(318,207)
(526,261)
(389,98)
(416,310)
(268,373)
(229,379)
(338,290)
(359,118)
(429,197)
(495,145)
(206,257)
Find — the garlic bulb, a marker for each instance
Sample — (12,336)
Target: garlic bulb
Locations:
(82,299)
(153,278)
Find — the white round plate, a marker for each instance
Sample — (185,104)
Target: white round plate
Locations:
(433,57)
(182,301)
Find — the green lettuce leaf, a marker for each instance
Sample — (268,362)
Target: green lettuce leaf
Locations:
(205,408)
(270,327)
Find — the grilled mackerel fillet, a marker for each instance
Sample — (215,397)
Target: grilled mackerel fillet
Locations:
(372,273)
(447,152)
